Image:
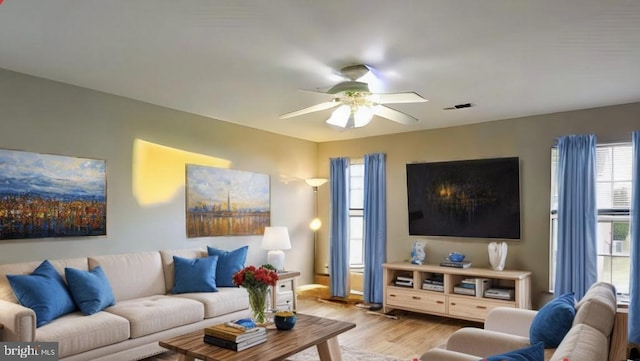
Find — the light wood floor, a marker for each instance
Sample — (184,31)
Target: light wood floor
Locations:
(406,337)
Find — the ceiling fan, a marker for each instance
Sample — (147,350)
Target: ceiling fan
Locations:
(356,104)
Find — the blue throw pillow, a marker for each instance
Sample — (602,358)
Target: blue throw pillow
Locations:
(194,274)
(44,292)
(553,321)
(91,290)
(229,262)
(532,353)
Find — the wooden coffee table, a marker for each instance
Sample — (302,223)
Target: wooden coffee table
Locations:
(308,331)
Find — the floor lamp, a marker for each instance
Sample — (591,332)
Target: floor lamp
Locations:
(315,223)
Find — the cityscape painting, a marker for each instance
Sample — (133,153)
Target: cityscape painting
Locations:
(226,202)
(43,195)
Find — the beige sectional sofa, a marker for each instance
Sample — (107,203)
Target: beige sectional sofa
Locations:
(144,313)
(507,329)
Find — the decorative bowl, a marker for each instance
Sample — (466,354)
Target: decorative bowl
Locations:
(284,320)
(456,257)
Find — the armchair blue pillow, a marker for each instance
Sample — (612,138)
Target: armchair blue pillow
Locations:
(195,274)
(532,353)
(91,290)
(229,262)
(44,292)
(553,321)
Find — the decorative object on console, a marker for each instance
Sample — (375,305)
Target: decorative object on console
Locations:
(226,202)
(455,257)
(68,195)
(257,281)
(497,255)
(471,198)
(275,240)
(417,252)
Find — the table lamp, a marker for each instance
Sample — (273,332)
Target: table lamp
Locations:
(275,240)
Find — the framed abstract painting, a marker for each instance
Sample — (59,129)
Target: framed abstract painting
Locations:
(44,195)
(226,202)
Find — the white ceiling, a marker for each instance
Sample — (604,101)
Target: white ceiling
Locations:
(243,61)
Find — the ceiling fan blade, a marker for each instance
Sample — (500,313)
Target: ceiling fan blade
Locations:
(390,98)
(395,115)
(311,109)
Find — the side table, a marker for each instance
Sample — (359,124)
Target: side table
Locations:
(284,278)
(619,346)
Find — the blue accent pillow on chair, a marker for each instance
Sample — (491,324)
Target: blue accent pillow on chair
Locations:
(532,353)
(44,292)
(194,274)
(91,290)
(229,262)
(553,321)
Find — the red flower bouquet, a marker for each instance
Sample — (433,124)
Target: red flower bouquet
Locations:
(257,281)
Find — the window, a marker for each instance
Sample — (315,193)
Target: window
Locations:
(613,197)
(356,213)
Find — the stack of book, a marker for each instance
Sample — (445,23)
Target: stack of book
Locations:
(404,281)
(234,337)
(466,287)
(463,264)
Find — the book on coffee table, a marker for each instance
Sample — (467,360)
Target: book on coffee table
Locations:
(234,334)
(236,346)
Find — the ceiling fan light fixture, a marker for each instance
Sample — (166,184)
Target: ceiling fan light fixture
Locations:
(340,116)
(362,116)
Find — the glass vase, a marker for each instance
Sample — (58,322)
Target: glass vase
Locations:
(258,304)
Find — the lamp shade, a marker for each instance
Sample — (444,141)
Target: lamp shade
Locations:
(316,182)
(276,238)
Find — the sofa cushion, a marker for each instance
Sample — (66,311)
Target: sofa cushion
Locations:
(553,321)
(582,342)
(195,274)
(91,290)
(598,308)
(534,352)
(77,333)
(167,262)
(6,292)
(157,313)
(44,292)
(229,262)
(132,275)
(226,300)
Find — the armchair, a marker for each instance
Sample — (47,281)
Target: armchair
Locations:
(507,329)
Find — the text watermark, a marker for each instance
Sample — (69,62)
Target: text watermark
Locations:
(40,351)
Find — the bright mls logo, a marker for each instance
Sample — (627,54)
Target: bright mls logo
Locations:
(41,351)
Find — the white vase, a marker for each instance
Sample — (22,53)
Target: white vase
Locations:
(497,255)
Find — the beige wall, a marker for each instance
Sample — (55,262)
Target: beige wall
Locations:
(529,138)
(42,116)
